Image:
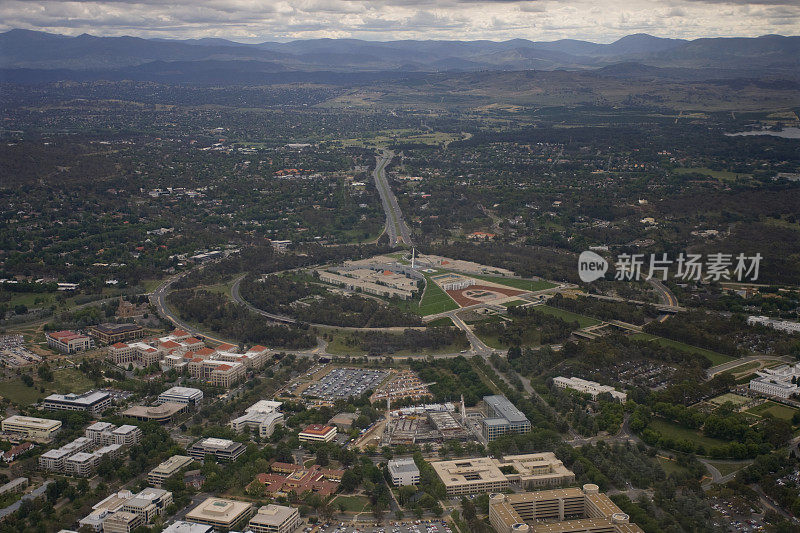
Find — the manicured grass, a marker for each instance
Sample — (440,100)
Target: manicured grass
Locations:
(743,368)
(522,284)
(735,399)
(434,299)
(715,357)
(352,504)
(668,429)
(443,321)
(64,380)
(775,409)
(569,316)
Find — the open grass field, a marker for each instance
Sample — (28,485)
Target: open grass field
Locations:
(668,429)
(714,357)
(434,299)
(569,316)
(444,321)
(775,409)
(735,399)
(718,174)
(671,466)
(514,303)
(351,504)
(64,380)
(522,284)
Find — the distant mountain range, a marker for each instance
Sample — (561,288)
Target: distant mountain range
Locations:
(37,56)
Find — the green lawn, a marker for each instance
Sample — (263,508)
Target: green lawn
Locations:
(668,429)
(714,357)
(353,504)
(443,321)
(434,299)
(64,380)
(569,316)
(523,284)
(775,409)
(515,303)
(719,174)
(729,397)
(671,467)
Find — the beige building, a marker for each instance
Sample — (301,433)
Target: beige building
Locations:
(558,511)
(160,413)
(36,429)
(122,522)
(486,474)
(275,519)
(386,284)
(159,474)
(220,513)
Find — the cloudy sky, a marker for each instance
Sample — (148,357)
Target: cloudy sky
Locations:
(261,20)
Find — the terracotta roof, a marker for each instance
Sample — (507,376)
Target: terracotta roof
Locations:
(170,344)
(191,340)
(119,345)
(317,429)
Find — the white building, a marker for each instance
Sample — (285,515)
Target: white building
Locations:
(404,472)
(38,429)
(592,388)
(185,395)
(781,325)
(782,381)
(262,416)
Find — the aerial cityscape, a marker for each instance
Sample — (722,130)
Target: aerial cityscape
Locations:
(349,266)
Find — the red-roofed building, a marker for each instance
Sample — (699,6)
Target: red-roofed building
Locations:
(69,341)
(204,353)
(225,347)
(17,450)
(179,334)
(318,433)
(121,353)
(285,478)
(169,345)
(481,235)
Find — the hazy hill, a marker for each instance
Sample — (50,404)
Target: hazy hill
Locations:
(28,54)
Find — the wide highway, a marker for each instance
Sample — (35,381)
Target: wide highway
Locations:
(396,227)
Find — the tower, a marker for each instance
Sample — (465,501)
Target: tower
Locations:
(463,411)
(413,258)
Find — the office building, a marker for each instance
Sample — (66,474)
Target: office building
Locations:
(179,526)
(263,417)
(114,333)
(317,433)
(162,414)
(121,354)
(127,435)
(285,478)
(486,474)
(220,513)
(275,519)
(69,341)
(221,449)
(27,427)
(94,402)
(103,509)
(591,388)
(168,468)
(185,395)
(404,472)
(148,503)
(558,511)
(503,418)
(122,522)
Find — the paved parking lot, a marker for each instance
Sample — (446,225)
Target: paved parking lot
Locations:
(345,382)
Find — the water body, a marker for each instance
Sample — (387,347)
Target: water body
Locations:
(786,133)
